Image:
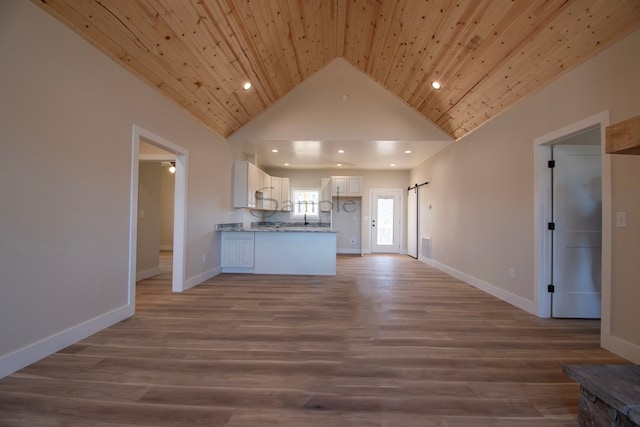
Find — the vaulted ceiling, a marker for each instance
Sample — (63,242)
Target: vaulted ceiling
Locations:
(487,54)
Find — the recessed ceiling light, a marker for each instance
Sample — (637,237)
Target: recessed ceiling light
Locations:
(344,97)
(286,164)
(275,150)
(247,86)
(393,165)
(339,164)
(340,151)
(436,85)
(407,151)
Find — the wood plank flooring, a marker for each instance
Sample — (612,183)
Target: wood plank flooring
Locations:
(388,341)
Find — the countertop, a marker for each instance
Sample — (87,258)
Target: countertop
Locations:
(277,228)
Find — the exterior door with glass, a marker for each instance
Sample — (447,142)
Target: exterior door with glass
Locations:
(386,210)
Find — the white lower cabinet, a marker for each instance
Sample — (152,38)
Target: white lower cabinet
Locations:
(237,251)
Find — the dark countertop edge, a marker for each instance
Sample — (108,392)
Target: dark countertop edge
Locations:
(593,377)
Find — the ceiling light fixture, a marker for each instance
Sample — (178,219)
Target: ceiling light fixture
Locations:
(275,150)
(286,164)
(407,151)
(341,151)
(344,97)
(436,85)
(170,164)
(339,164)
(247,86)
(393,165)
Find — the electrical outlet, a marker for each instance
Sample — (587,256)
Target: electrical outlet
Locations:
(204,257)
(512,273)
(621,219)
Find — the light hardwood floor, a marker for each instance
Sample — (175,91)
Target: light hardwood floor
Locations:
(389,341)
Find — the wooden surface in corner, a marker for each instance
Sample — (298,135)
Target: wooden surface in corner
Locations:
(388,341)
(624,137)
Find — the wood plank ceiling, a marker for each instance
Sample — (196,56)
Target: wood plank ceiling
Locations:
(487,54)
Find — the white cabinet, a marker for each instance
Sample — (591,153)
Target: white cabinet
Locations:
(279,195)
(276,193)
(255,189)
(346,186)
(285,195)
(325,195)
(263,190)
(237,250)
(245,184)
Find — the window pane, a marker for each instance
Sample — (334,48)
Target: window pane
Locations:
(305,202)
(385,222)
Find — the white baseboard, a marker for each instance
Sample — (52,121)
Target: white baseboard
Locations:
(145,274)
(25,356)
(622,348)
(199,278)
(348,251)
(511,298)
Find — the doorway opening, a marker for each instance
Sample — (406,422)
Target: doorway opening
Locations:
(156,206)
(577,196)
(180,154)
(386,221)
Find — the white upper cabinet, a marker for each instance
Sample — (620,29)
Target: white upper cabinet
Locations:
(255,189)
(245,184)
(285,195)
(346,186)
(263,191)
(276,193)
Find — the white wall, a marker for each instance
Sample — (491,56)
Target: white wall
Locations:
(148,242)
(481,190)
(167,197)
(66,117)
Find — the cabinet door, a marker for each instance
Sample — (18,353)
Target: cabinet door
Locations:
(354,186)
(325,195)
(285,199)
(275,202)
(264,188)
(338,186)
(243,185)
(237,250)
(253,184)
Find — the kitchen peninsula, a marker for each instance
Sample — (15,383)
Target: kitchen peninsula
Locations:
(278,249)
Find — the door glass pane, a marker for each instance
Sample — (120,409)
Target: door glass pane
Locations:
(385,222)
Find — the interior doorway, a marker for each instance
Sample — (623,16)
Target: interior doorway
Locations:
(573,266)
(179,221)
(386,221)
(156,206)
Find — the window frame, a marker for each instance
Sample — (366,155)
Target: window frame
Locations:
(295,214)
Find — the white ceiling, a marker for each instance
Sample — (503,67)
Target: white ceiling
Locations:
(314,120)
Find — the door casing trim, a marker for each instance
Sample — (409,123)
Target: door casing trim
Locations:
(542,215)
(180,208)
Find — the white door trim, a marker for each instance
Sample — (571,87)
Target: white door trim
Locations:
(542,215)
(180,207)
